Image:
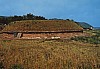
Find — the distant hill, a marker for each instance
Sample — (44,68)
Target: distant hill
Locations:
(97,28)
(85,25)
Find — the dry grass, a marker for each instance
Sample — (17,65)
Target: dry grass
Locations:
(49,54)
(42,25)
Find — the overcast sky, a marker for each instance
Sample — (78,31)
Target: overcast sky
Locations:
(78,10)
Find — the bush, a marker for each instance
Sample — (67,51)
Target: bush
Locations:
(1,65)
(16,66)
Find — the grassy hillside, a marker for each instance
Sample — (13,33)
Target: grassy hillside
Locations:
(42,25)
(48,54)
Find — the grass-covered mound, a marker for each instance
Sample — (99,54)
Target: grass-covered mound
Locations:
(42,25)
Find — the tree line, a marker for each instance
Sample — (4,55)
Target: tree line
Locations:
(7,20)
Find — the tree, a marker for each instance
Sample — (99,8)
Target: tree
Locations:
(30,16)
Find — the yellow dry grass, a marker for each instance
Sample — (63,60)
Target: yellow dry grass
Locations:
(49,54)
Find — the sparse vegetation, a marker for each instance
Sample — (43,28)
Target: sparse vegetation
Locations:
(94,39)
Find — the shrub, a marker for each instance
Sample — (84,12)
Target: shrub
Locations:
(16,66)
(1,65)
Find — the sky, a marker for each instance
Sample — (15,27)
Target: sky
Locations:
(78,10)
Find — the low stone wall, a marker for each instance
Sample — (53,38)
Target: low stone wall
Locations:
(43,35)
(51,35)
(5,35)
